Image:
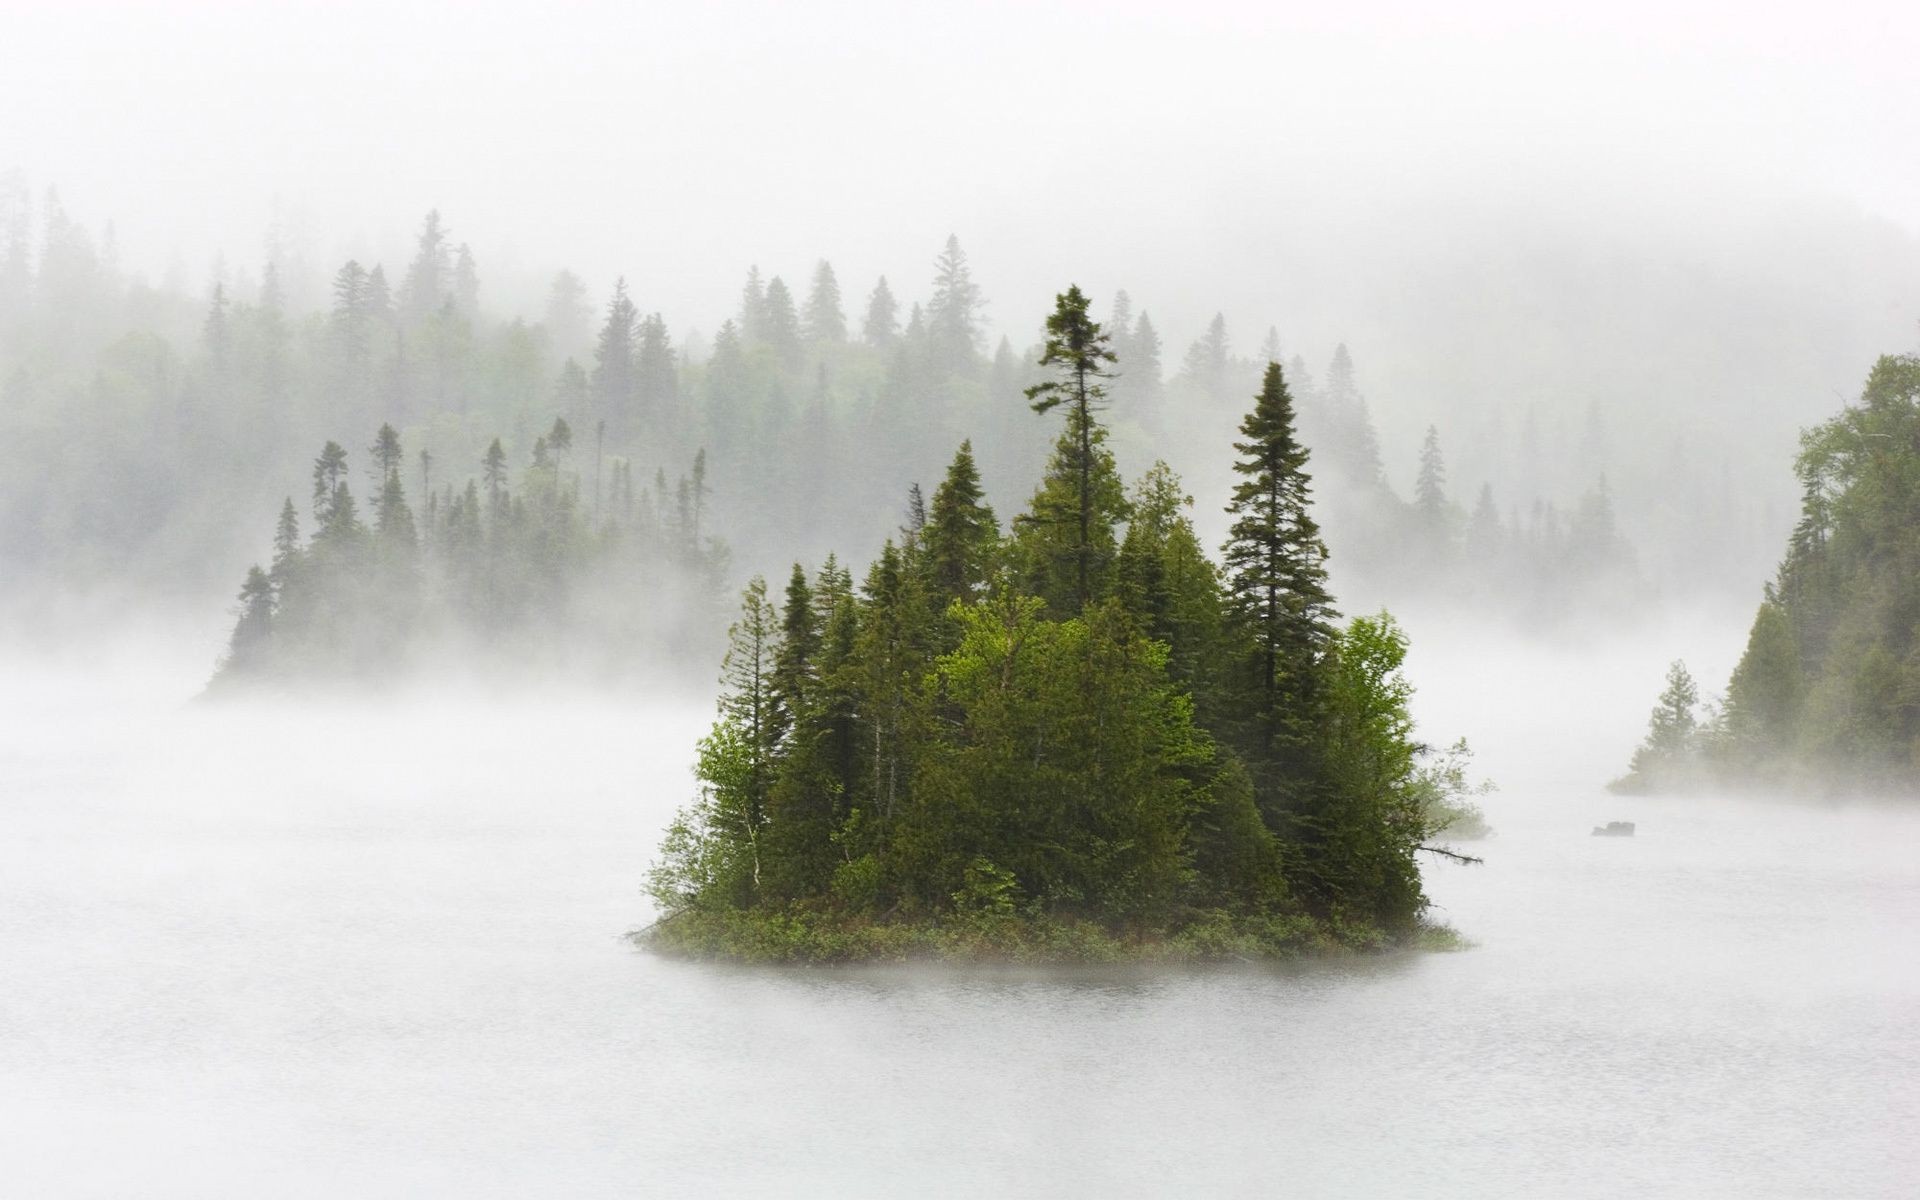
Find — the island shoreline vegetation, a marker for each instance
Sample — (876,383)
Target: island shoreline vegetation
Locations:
(1825,699)
(1077,738)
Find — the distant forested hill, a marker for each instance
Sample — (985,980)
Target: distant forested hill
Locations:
(165,414)
(1827,695)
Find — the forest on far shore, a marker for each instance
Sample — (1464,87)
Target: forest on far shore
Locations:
(1826,696)
(166,412)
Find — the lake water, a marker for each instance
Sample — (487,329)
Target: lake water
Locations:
(376,952)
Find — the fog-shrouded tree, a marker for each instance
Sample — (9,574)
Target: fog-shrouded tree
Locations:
(882,323)
(429,278)
(954,311)
(823,322)
(614,363)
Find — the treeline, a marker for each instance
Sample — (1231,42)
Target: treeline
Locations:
(1826,696)
(1073,730)
(160,413)
(1541,566)
(486,576)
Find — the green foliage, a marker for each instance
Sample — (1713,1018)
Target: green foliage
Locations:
(1827,694)
(1050,760)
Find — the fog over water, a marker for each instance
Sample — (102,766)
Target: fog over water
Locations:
(1556,294)
(374,950)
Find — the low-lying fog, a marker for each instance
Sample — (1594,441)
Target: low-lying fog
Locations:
(375,950)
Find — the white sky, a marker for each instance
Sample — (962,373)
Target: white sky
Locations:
(1129,144)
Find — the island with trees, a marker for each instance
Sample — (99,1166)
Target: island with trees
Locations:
(1071,736)
(1826,696)
(486,576)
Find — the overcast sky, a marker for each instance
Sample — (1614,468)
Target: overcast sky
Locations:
(1117,144)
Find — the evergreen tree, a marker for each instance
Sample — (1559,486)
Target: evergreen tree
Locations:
(782,322)
(961,535)
(882,324)
(1430,487)
(953,314)
(466,282)
(1140,366)
(753,308)
(823,321)
(252,635)
(657,373)
(1081,499)
(329,475)
(1209,363)
(749,704)
(429,276)
(1665,758)
(613,361)
(1276,582)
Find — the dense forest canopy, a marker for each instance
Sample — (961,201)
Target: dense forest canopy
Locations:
(167,412)
(1064,734)
(1827,694)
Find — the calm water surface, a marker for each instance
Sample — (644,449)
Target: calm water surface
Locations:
(375,952)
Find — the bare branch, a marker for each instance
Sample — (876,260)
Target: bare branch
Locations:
(1455,855)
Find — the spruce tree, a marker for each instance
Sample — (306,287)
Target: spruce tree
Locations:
(1081,498)
(1277,581)
(1430,486)
(960,535)
(823,322)
(428,280)
(882,323)
(613,362)
(329,473)
(953,313)
(782,322)
(749,702)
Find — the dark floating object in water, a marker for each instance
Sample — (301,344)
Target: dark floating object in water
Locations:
(1614,829)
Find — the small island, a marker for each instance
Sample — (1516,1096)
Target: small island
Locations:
(1074,738)
(1826,697)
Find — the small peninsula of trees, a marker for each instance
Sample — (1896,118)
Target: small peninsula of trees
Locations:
(1827,695)
(1070,735)
(483,565)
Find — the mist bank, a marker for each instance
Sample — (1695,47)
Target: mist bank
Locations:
(1600,387)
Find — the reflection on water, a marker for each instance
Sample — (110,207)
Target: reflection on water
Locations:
(377,952)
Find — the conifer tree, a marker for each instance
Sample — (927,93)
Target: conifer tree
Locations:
(286,546)
(1209,362)
(1277,580)
(823,322)
(466,282)
(657,373)
(794,663)
(253,629)
(493,469)
(613,361)
(1430,487)
(753,308)
(953,313)
(386,453)
(960,536)
(329,473)
(782,322)
(749,702)
(1140,368)
(882,324)
(1081,498)
(428,280)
